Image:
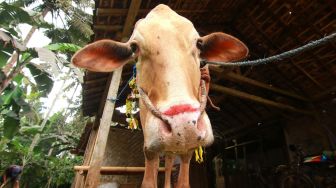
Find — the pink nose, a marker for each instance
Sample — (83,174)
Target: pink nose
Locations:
(185,129)
(178,109)
(179,117)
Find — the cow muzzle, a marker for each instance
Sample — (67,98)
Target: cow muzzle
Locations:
(181,126)
(186,129)
(183,121)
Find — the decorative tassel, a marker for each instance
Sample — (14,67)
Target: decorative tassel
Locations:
(131,105)
(133,123)
(132,83)
(199,154)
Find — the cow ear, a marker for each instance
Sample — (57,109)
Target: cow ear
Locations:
(221,47)
(103,56)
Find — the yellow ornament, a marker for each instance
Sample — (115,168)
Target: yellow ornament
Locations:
(199,154)
(131,105)
(135,123)
(132,83)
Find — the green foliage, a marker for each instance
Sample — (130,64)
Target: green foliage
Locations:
(11,15)
(12,103)
(18,78)
(11,126)
(42,79)
(4,56)
(30,130)
(6,50)
(62,171)
(69,35)
(64,47)
(23,3)
(77,20)
(50,161)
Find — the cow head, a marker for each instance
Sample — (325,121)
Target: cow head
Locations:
(168,50)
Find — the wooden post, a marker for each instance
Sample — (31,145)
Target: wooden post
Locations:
(93,176)
(257,99)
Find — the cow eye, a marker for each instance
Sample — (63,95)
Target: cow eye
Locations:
(134,47)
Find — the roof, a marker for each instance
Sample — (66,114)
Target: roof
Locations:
(267,28)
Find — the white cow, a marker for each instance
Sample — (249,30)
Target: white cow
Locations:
(168,50)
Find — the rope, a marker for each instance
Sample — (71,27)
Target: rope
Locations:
(212,104)
(275,58)
(151,107)
(124,88)
(121,92)
(159,114)
(204,97)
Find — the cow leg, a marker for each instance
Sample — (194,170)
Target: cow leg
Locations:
(183,179)
(169,162)
(151,170)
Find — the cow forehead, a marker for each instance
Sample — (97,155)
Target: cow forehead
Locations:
(167,23)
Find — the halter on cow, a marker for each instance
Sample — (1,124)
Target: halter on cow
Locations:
(168,51)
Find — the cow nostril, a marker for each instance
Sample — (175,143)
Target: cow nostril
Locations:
(168,127)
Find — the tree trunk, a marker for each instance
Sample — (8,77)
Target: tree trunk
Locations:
(13,73)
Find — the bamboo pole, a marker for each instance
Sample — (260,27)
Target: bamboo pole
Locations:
(257,99)
(238,78)
(116,169)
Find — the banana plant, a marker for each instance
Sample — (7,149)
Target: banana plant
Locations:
(24,83)
(12,100)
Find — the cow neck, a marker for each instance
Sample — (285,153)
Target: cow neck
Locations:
(157,113)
